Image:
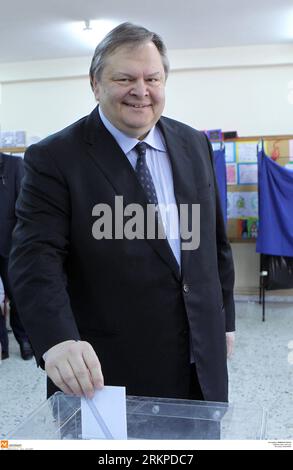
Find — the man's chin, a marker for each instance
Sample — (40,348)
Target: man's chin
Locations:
(136,131)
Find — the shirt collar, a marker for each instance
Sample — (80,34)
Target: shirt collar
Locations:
(154,138)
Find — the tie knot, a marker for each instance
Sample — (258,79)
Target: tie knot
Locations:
(141,149)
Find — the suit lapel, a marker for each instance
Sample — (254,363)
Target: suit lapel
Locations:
(184,178)
(111,160)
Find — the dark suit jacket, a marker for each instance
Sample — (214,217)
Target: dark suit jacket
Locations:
(125,297)
(11,173)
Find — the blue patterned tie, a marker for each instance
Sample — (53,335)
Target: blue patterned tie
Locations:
(143,174)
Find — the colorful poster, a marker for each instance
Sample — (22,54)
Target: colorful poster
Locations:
(247,228)
(12,138)
(246,152)
(242,204)
(230,152)
(231,172)
(247,173)
(252,227)
(279,150)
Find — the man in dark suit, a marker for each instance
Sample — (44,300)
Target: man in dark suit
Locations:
(103,306)
(11,173)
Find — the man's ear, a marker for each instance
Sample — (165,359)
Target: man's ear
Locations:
(96,88)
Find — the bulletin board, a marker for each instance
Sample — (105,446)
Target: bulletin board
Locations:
(241,167)
(242,189)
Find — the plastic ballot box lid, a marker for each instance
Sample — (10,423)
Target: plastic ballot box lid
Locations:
(149,418)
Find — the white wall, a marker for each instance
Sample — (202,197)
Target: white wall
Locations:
(43,107)
(243,89)
(253,101)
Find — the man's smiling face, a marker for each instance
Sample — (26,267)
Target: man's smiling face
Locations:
(131,91)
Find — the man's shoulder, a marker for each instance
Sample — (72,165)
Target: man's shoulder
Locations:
(181,128)
(62,146)
(66,136)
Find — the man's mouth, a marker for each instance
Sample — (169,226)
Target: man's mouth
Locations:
(137,105)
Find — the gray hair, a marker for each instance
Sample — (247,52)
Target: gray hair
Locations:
(125,34)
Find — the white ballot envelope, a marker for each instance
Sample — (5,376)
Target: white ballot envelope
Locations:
(104,416)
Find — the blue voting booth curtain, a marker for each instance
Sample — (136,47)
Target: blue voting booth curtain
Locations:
(275,186)
(220,169)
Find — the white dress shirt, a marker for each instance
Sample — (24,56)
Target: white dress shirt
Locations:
(159,166)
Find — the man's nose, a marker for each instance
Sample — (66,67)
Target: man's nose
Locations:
(140,88)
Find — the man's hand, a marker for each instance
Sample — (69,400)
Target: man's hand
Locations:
(230,340)
(74,367)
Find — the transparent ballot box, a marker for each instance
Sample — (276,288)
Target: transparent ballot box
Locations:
(149,418)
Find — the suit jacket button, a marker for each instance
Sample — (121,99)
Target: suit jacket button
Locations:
(185,288)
